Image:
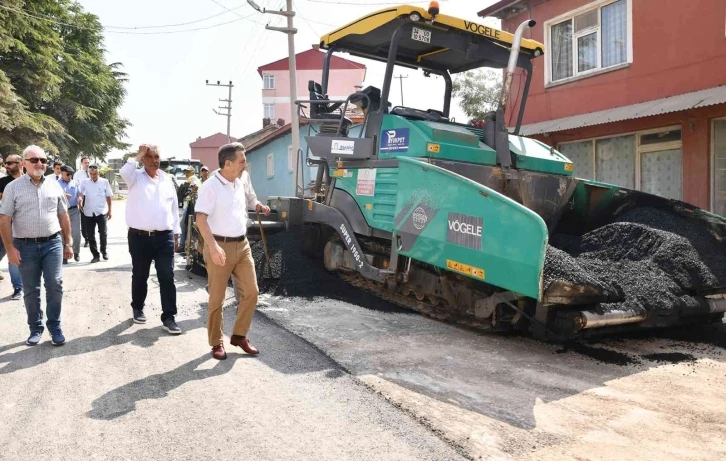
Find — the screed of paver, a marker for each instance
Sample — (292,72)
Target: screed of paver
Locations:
(117,390)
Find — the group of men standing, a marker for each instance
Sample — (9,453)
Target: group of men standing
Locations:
(37,232)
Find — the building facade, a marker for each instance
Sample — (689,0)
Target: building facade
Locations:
(271,161)
(631,90)
(345,75)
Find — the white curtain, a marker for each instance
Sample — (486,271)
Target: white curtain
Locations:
(587,52)
(614,33)
(719,167)
(615,161)
(661,173)
(581,156)
(561,38)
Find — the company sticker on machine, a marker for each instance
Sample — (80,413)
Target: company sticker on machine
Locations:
(395,140)
(366,184)
(465,269)
(465,230)
(342,147)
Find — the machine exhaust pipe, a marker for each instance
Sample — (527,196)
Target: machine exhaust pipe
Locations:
(513,56)
(588,319)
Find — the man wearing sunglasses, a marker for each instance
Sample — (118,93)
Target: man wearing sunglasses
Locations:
(13,168)
(36,231)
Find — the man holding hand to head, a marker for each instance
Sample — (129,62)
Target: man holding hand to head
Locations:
(33,215)
(221,212)
(152,215)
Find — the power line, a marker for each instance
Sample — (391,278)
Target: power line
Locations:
(174,25)
(55,21)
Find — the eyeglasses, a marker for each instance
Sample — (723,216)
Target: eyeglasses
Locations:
(35,160)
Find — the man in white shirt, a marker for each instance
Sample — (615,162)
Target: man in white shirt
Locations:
(221,212)
(94,201)
(152,215)
(79,176)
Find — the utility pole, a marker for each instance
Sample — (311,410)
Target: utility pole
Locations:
(400,78)
(228,107)
(290,31)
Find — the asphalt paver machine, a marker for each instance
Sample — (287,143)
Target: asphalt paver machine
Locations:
(455,219)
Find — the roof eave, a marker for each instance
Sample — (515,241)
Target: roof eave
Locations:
(503,9)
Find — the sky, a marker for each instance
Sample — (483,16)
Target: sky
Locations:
(168,102)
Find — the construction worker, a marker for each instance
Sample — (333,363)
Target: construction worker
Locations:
(194,184)
(222,221)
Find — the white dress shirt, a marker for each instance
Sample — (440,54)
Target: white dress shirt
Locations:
(80,175)
(226,203)
(152,204)
(94,196)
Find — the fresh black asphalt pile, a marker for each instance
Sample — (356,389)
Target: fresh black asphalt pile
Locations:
(649,260)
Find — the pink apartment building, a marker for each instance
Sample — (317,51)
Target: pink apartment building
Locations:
(345,75)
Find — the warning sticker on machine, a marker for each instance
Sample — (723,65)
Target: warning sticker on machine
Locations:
(366,184)
(465,269)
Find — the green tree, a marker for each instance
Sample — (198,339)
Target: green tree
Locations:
(478,91)
(52,54)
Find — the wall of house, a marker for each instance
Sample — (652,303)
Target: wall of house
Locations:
(696,136)
(281,182)
(206,155)
(678,47)
(342,83)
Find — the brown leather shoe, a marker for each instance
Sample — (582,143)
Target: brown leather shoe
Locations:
(218,352)
(244,343)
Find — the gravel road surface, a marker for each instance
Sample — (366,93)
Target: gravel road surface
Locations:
(117,390)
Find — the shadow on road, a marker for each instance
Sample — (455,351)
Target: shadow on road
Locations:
(122,400)
(37,355)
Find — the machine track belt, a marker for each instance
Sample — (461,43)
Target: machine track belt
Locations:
(439,312)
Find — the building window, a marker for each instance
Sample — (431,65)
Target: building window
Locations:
(268,81)
(270,165)
(650,161)
(589,39)
(269,111)
(290,159)
(718,203)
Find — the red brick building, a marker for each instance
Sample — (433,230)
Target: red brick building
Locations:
(632,91)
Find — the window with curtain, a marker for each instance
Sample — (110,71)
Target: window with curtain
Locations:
(581,156)
(719,167)
(270,165)
(615,161)
(269,111)
(588,41)
(269,82)
(661,173)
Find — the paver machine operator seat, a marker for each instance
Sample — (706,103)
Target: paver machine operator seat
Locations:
(324,113)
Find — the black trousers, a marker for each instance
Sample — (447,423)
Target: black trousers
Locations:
(158,248)
(91,222)
(84,234)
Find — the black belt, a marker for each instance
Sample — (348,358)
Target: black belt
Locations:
(38,239)
(219,238)
(72,207)
(149,233)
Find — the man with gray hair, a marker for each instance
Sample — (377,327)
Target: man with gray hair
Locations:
(33,215)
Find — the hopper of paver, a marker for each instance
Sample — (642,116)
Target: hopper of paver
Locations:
(632,258)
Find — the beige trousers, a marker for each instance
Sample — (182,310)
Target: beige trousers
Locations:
(241,266)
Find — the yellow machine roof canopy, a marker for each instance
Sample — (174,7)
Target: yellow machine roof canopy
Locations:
(371,36)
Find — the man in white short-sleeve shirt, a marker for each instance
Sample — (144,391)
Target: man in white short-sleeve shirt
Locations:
(221,212)
(94,201)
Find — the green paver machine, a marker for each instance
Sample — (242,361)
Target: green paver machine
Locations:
(447,218)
